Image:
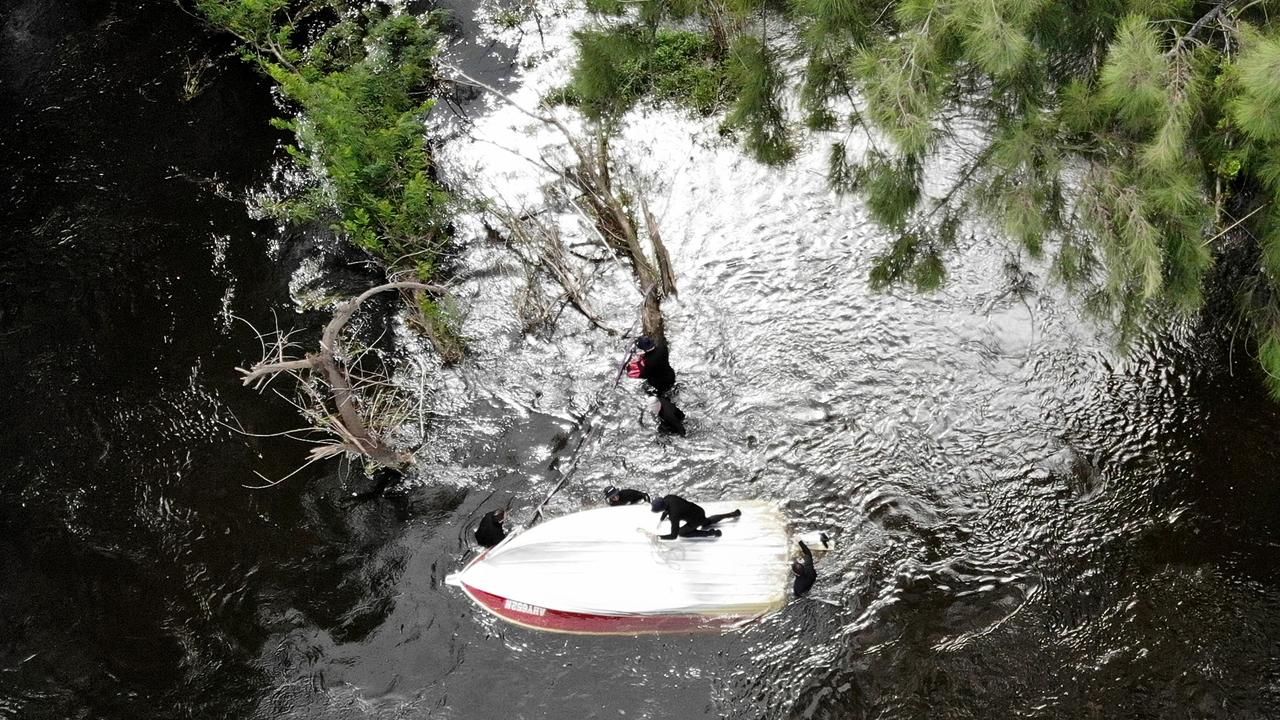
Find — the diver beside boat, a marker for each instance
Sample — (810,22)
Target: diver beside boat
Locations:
(490,531)
(626,496)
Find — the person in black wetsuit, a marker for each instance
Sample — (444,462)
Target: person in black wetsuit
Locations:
(670,417)
(805,574)
(653,365)
(695,519)
(624,497)
(490,531)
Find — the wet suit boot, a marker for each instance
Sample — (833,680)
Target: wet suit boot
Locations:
(670,417)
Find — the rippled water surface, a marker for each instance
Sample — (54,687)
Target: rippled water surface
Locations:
(1029,524)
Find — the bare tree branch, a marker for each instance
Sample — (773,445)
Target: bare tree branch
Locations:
(612,218)
(263,369)
(346,419)
(666,274)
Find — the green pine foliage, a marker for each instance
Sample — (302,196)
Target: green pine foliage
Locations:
(821,79)
(892,266)
(1076,262)
(841,174)
(1159,8)
(997,45)
(843,18)
(1021,189)
(1256,109)
(916,257)
(929,271)
(1270,245)
(892,188)
(1269,358)
(637,54)
(618,67)
(758,110)
(1133,142)
(897,79)
(1135,78)
(360,91)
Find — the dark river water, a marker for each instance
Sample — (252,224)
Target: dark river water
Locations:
(1030,524)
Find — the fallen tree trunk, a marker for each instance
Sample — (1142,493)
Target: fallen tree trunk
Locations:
(613,219)
(344,418)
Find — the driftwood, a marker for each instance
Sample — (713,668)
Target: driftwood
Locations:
(539,245)
(609,212)
(342,413)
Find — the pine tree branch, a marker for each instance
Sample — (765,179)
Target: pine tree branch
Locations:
(1198,26)
(857,114)
(960,183)
(1207,18)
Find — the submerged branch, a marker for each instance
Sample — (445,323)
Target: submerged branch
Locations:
(345,420)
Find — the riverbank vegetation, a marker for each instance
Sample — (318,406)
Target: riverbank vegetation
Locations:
(1133,143)
(360,80)
(357,81)
(619,67)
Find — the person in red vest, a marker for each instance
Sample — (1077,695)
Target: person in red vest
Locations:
(652,365)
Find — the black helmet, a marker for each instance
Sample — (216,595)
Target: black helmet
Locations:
(644,344)
(610,490)
(658,505)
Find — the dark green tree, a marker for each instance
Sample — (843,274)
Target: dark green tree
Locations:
(359,79)
(634,53)
(1133,142)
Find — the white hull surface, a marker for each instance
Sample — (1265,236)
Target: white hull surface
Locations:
(604,571)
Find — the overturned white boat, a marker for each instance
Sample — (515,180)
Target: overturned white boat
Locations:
(605,572)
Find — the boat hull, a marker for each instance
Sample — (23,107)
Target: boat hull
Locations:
(605,572)
(537,618)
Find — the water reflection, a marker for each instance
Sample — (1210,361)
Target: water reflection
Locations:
(142,579)
(1004,481)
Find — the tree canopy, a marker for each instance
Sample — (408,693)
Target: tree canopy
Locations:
(1132,142)
(361,81)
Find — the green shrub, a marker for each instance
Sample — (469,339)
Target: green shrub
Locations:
(619,67)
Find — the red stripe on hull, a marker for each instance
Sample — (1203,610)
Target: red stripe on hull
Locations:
(587,624)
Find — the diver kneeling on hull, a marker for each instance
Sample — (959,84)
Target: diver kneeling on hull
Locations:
(694,517)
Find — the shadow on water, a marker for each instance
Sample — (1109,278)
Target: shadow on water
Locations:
(140,577)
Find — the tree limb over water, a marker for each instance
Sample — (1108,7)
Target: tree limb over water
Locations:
(338,407)
(1135,144)
(609,209)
